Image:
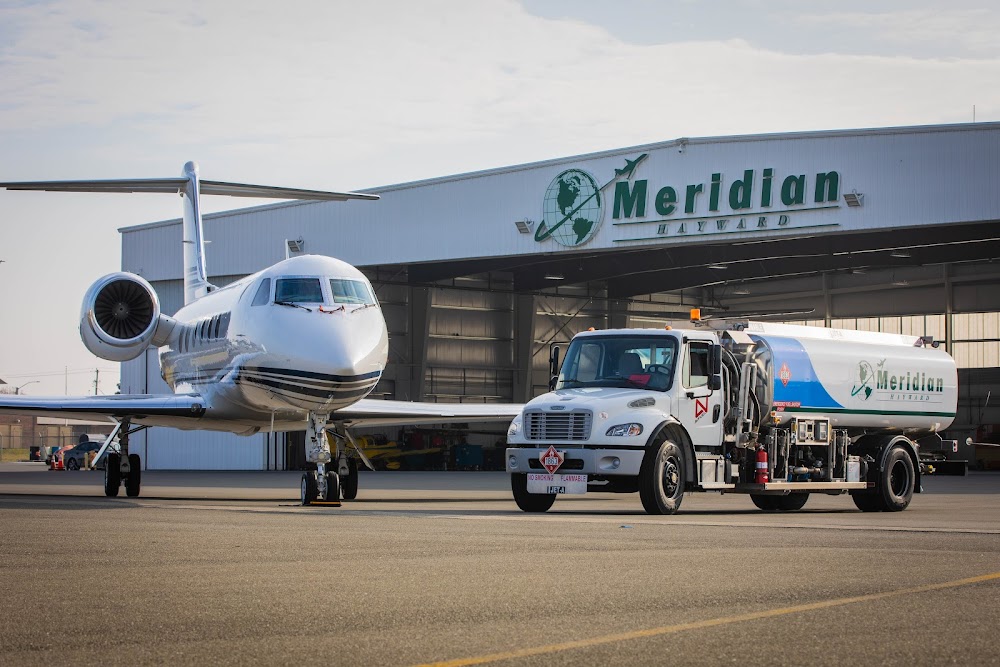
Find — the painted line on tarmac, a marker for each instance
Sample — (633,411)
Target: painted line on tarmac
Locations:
(708,623)
(624,518)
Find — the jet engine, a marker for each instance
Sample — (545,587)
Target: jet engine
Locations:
(121,317)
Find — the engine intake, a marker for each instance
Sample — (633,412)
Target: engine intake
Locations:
(121,317)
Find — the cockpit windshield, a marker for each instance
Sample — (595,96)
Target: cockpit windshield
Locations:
(298,290)
(646,362)
(351,291)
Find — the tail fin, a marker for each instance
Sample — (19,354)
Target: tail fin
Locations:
(190,187)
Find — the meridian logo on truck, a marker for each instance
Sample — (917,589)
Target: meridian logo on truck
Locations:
(915,385)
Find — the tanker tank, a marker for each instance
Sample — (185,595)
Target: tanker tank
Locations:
(858,380)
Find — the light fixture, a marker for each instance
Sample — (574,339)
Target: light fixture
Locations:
(295,245)
(900,254)
(718,267)
(860,270)
(900,282)
(741,290)
(555,276)
(524,226)
(854,199)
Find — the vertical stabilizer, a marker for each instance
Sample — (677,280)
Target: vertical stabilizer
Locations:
(196,283)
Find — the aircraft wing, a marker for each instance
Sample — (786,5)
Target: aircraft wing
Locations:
(136,406)
(374,412)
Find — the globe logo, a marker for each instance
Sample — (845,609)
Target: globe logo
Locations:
(572,210)
(864,384)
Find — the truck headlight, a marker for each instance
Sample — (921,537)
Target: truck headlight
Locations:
(625,430)
(513,428)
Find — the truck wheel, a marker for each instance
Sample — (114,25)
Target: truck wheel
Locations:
(792,502)
(867,502)
(895,484)
(661,479)
(529,502)
(766,503)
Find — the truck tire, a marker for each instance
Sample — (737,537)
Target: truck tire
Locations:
(790,503)
(867,502)
(765,503)
(896,481)
(793,502)
(529,502)
(661,479)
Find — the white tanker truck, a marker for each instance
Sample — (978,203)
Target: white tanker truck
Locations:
(774,411)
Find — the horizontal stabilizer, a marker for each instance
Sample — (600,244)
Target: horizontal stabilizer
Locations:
(177,185)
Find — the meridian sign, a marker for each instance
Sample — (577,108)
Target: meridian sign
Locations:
(574,205)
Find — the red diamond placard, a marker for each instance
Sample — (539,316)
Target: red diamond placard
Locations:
(785,374)
(551,459)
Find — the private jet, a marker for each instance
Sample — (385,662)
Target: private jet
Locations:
(297,346)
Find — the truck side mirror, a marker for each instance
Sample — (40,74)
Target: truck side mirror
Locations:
(715,368)
(553,367)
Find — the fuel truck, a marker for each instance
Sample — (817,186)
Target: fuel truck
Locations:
(774,411)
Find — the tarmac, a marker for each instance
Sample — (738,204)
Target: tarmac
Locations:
(442,568)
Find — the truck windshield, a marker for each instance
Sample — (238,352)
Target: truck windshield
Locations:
(645,362)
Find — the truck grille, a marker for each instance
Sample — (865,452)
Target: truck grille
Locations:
(560,426)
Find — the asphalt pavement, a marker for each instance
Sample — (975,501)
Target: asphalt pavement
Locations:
(441,568)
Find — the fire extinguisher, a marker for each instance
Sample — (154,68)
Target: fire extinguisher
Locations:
(760,475)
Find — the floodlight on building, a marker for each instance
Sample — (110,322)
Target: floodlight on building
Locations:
(524,226)
(854,199)
(555,276)
(293,245)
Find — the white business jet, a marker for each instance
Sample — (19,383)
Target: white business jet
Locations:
(296,346)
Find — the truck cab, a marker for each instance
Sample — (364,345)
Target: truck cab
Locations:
(616,394)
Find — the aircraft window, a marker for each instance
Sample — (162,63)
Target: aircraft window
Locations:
(263,293)
(351,291)
(298,290)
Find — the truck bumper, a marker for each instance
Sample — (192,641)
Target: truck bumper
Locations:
(582,461)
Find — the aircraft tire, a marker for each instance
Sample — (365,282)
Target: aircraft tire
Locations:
(112,475)
(332,487)
(309,487)
(134,478)
(349,482)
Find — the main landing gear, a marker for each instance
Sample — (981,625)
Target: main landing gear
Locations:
(121,467)
(336,473)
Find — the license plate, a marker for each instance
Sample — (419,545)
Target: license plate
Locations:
(548,484)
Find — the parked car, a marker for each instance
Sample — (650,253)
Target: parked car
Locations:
(74,458)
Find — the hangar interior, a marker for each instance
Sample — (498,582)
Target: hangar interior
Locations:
(479,329)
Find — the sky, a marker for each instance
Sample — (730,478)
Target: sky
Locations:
(339,95)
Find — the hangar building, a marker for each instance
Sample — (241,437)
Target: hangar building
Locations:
(892,229)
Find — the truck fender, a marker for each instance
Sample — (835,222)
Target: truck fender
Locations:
(671,428)
(878,447)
